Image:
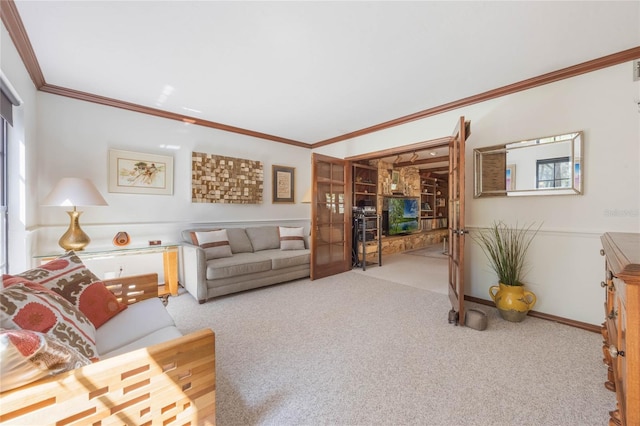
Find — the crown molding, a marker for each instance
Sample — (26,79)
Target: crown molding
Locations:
(102,100)
(572,71)
(12,21)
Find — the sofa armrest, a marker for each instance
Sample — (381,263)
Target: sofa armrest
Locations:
(135,288)
(170,381)
(194,268)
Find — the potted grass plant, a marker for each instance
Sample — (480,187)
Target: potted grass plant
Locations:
(506,248)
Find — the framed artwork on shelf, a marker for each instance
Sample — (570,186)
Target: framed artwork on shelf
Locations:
(395,180)
(283,184)
(140,173)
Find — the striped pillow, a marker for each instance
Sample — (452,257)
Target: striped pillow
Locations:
(215,243)
(291,238)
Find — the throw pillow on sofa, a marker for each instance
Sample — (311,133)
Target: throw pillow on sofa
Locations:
(263,237)
(215,243)
(239,241)
(27,356)
(71,279)
(30,306)
(291,238)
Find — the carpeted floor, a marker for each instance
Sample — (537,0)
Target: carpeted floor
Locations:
(435,251)
(357,350)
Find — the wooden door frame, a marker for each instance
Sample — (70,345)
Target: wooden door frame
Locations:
(456,284)
(404,149)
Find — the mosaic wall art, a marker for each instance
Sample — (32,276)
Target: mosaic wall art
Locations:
(218,179)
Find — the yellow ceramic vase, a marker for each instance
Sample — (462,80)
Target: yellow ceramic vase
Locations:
(513,302)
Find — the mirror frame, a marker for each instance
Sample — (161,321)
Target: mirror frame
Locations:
(577,146)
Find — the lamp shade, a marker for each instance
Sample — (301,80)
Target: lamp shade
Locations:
(306,198)
(74,192)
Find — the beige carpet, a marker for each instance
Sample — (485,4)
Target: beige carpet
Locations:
(435,250)
(357,350)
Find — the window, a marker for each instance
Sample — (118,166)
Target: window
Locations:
(8,100)
(553,173)
(4,223)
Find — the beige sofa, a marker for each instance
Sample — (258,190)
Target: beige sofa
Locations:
(254,257)
(147,372)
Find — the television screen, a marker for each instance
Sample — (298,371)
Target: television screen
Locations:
(403,216)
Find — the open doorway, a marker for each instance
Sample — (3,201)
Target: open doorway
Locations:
(407,187)
(420,206)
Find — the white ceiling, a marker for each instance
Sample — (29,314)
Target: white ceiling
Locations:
(310,71)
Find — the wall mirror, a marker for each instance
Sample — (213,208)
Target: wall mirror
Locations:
(552,165)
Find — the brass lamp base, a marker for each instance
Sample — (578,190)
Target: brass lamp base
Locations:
(75,238)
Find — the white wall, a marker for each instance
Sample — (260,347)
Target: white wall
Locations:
(565,265)
(75,138)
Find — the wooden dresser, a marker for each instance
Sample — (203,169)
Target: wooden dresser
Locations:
(621,329)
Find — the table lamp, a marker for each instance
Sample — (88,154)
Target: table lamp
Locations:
(306,198)
(74,192)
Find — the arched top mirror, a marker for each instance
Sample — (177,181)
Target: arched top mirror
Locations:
(552,165)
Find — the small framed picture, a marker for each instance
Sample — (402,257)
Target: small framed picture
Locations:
(283,179)
(139,173)
(395,180)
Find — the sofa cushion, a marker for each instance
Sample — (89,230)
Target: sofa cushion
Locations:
(239,264)
(291,238)
(71,279)
(284,259)
(27,356)
(159,336)
(239,240)
(141,319)
(30,306)
(264,237)
(215,243)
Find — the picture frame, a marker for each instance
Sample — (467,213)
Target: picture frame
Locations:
(140,173)
(510,177)
(395,180)
(283,184)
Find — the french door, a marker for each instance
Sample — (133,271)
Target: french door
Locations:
(330,216)
(456,221)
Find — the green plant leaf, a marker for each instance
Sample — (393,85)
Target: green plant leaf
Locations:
(506,249)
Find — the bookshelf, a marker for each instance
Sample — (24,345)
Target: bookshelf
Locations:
(433,203)
(365,185)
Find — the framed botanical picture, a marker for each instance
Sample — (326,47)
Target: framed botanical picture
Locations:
(283,184)
(140,173)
